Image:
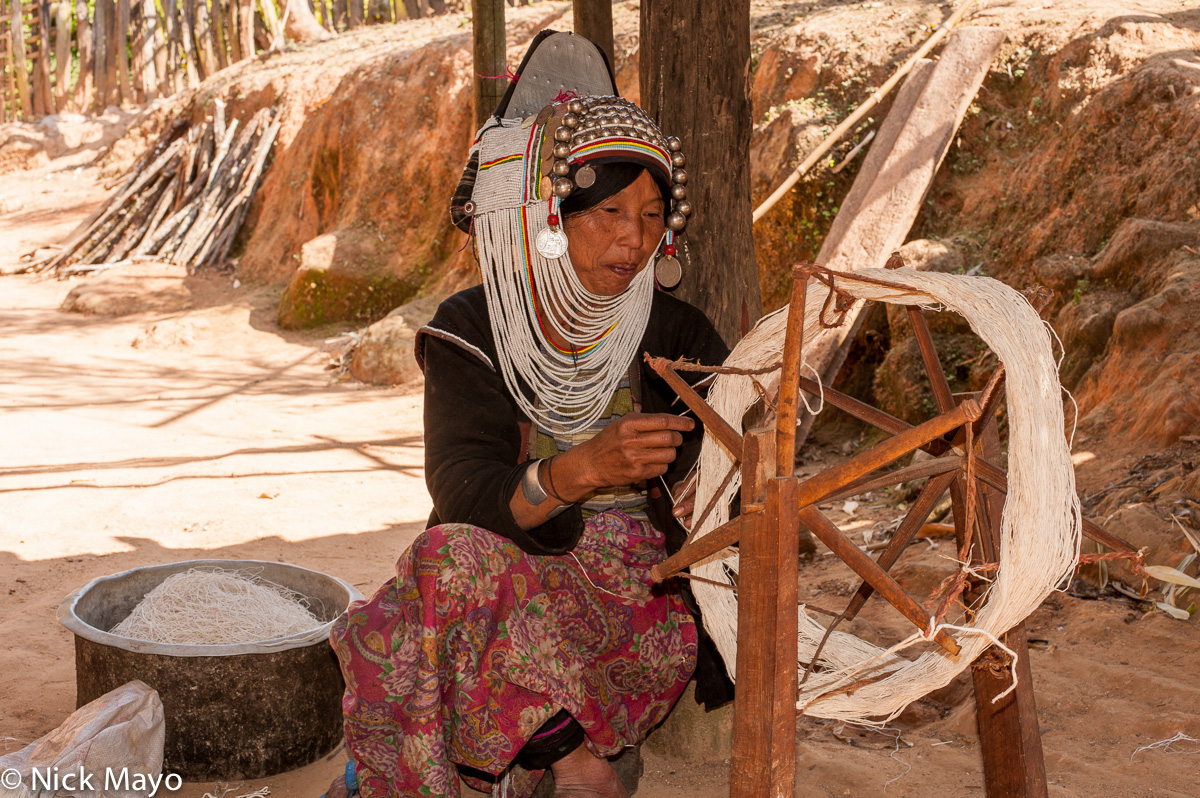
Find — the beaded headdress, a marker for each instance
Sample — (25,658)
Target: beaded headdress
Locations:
(524,162)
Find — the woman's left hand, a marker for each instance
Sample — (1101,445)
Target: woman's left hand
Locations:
(684,492)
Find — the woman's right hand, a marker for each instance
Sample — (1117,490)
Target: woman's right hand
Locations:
(632,448)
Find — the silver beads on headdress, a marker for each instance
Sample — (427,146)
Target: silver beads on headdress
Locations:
(608,120)
(596,128)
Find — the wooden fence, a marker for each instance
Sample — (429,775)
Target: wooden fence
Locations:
(86,55)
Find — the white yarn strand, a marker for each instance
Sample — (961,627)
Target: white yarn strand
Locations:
(1040,526)
(562,392)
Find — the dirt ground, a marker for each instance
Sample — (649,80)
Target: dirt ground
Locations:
(195,427)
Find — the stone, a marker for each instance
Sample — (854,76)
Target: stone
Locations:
(1085,325)
(1140,243)
(342,276)
(138,288)
(692,734)
(384,355)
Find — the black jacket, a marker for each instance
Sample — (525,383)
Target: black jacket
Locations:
(476,437)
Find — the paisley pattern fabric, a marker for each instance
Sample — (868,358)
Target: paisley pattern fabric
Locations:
(475,643)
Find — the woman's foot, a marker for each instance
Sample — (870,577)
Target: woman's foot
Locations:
(338,789)
(580,774)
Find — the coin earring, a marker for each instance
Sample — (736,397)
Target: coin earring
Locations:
(552,242)
(667,270)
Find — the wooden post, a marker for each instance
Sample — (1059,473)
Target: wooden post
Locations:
(1009,737)
(245,18)
(764,715)
(17,33)
(86,85)
(490,57)
(694,63)
(121,53)
(62,54)
(593,21)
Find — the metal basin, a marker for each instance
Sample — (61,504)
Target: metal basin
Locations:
(241,711)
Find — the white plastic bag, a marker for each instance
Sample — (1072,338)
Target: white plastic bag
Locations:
(110,748)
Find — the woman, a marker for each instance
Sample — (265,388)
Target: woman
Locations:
(523,627)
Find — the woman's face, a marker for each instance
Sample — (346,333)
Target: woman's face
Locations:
(611,242)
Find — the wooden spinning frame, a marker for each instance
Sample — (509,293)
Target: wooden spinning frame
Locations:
(776,506)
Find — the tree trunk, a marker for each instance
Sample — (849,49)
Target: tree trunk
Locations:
(137,51)
(85,85)
(101,22)
(225,23)
(122,54)
(594,21)
(187,39)
(110,64)
(43,58)
(204,39)
(694,69)
(339,14)
(356,11)
(271,19)
(150,38)
(171,36)
(379,11)
(411,9)
(490,56)
(302,26)
(62,55)
(158,49)
(245,14)
(17,31)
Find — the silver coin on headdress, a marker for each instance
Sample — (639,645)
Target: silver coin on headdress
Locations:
(585,177)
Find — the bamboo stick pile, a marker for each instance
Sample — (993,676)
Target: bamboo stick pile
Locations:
(183,202)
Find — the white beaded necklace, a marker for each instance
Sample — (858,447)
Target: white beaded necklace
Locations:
(564,392)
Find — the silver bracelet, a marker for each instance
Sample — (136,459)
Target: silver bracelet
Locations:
(531,486)
(532,490)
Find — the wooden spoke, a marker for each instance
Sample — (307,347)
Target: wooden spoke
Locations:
(823,484)
(713,422)
(866,568)
(922,470)
(922,507)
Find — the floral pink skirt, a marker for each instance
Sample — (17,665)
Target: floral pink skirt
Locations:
(475,644)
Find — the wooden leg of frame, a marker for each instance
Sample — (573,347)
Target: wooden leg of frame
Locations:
(1013,766)
(751,766)
(1009,737)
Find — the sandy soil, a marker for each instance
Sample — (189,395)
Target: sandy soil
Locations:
(201,430)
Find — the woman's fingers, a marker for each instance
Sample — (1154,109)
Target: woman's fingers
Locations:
(636,447)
